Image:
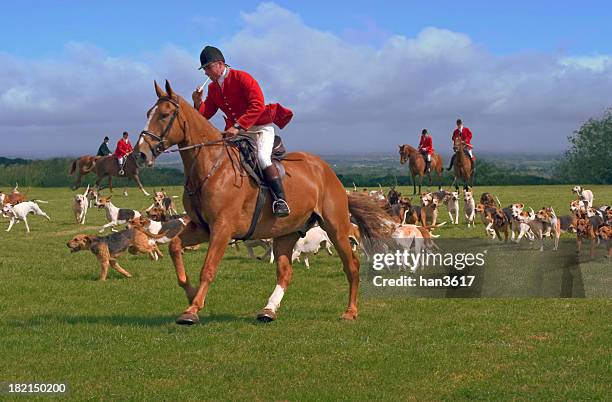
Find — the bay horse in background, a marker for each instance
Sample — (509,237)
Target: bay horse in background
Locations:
(108,166)
(82,167)
(416,163)
(463,168)
(221,201)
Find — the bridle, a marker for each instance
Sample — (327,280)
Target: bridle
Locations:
(160,148)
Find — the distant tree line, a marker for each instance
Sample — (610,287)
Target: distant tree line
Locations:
(589,159)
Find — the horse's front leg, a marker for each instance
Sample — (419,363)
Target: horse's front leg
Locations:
(283,249)
(220,237)
(190,236)
(140,186)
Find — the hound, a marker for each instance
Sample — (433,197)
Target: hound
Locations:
(92,196)
(79,206)
(407,236)
(469,207)
(311,243)
(531,223)
(605,234)
(487,200)
(429,206)
(584,194)
(20,212)
(115,216)
(12,198)
(485,213)
(108,248)
(161,200)
(585,231)
(548,216)
(453,207)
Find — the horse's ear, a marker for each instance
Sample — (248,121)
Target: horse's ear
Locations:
(169,90)
(160,92)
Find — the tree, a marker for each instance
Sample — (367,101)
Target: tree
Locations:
(589,159)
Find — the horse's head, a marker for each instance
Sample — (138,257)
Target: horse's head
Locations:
(457,143)
(163,128)
(403,151)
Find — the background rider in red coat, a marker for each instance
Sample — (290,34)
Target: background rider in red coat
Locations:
(466,137)
(239,96)
(426,148)
(124,148)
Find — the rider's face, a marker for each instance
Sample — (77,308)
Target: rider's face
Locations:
(214,70)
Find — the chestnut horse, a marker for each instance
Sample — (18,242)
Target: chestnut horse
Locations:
(82,166)
(462,166)
(417,165)
(108,166)
(220,201)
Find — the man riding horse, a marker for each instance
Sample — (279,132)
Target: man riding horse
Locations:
(466,136)
(124,148)
(426,149)
(239,96)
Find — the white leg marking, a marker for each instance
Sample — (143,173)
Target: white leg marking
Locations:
(275,299)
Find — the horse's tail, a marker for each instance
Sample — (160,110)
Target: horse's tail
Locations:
(373,222)
(73,167)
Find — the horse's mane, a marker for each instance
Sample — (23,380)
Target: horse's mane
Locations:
(191,111)
(409,148)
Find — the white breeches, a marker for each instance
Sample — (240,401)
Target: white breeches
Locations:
(121,160)
(428,158)
(265,143)
(470,153)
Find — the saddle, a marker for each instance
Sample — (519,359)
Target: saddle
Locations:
(247,146)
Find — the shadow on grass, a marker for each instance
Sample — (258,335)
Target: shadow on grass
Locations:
(125,320)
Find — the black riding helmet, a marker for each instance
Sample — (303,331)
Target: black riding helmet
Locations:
(210,54)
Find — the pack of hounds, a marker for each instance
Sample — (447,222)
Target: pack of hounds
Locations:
(514,222)
(413,224)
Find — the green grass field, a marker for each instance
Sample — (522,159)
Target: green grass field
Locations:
(117,340)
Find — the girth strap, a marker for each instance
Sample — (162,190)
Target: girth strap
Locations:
(261,199)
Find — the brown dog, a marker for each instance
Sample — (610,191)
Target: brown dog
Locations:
(108,248)
(585,231)
(605,234)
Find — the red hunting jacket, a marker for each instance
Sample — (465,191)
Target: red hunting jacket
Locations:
(123,148)
(242,101)
(426,145)
(466,136)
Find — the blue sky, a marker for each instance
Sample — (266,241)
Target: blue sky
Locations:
(514,71)
(42,28)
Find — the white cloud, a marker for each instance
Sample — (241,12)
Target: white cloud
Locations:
(346,96)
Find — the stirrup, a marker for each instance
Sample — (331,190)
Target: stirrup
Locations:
(280,208)
(121,172)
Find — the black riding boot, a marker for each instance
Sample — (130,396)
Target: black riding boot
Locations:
(279,206)
(427,166)
(451,163)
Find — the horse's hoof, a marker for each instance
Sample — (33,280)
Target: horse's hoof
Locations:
(188,319)
(266,315)
(349,316)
